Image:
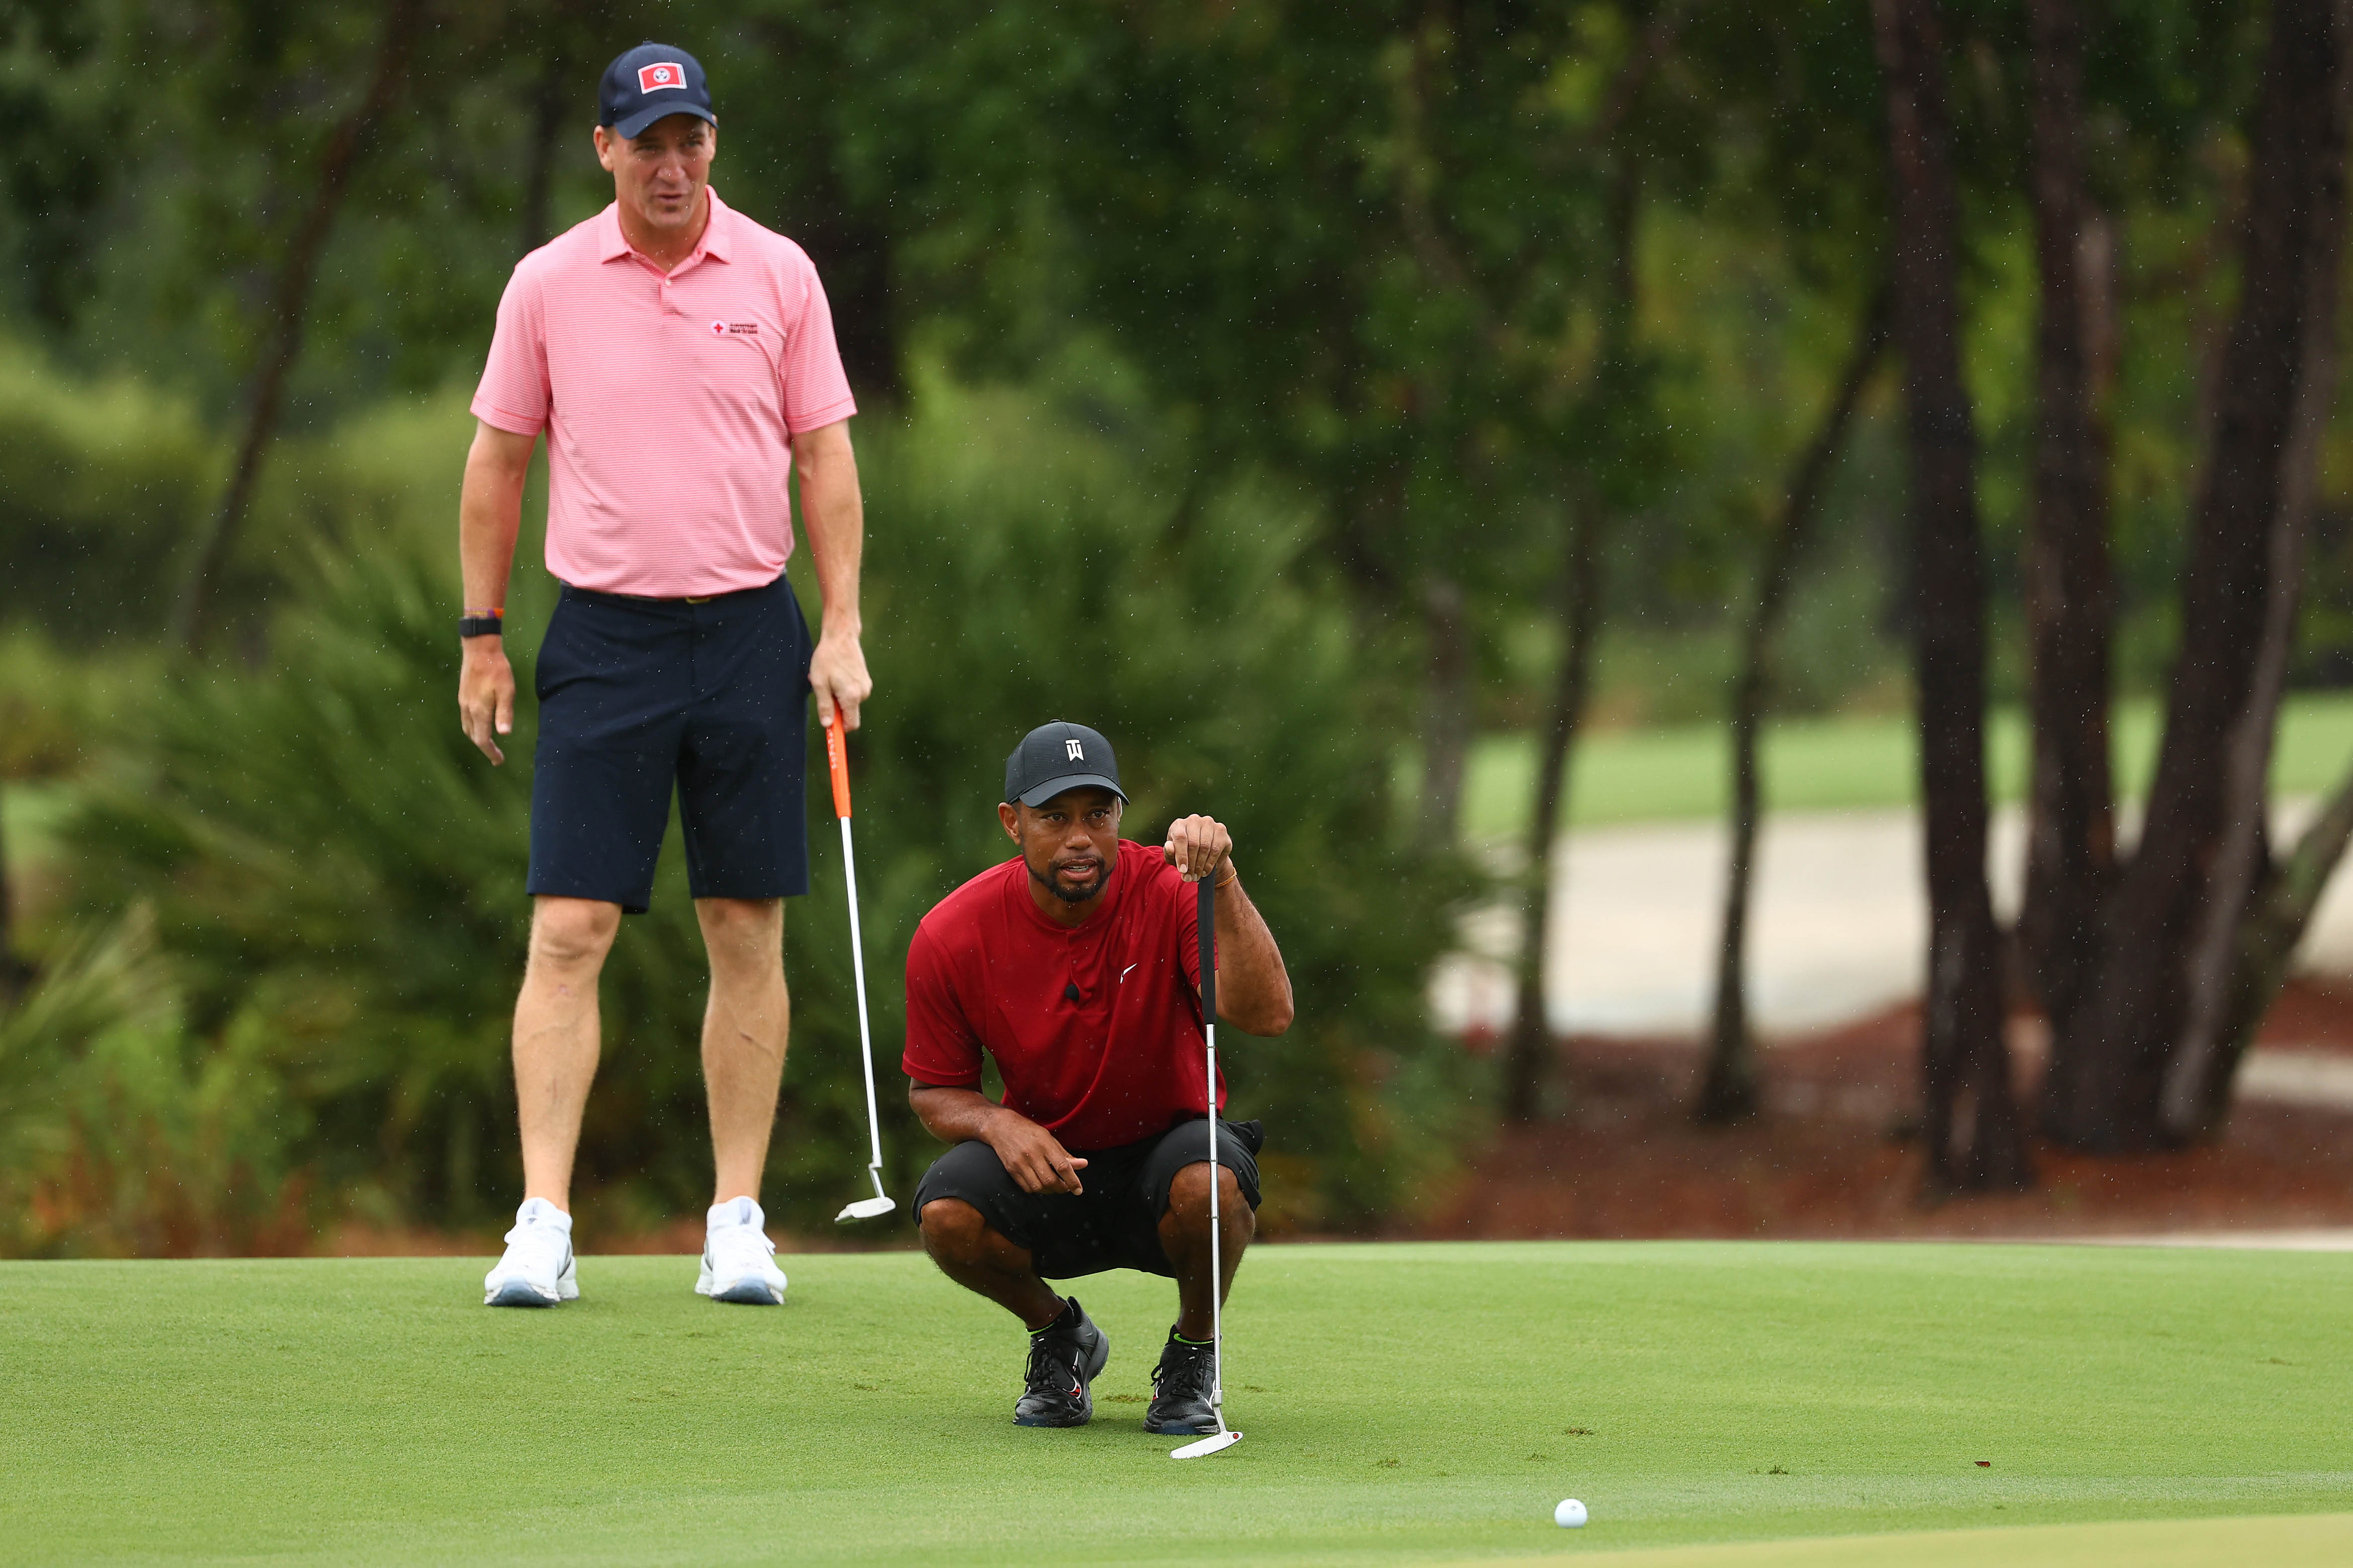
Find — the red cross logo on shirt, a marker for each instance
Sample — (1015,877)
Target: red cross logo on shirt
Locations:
(668,73)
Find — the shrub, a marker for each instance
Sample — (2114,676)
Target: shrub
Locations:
(123,1136)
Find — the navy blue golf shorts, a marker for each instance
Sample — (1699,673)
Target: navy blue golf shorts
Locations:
(638,695)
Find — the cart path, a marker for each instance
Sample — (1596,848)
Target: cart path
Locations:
(1838,929)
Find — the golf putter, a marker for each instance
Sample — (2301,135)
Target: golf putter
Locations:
(837,758)
(1223,1437)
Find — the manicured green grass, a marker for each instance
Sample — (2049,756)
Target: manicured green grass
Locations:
(1825,764)
(1404,1404)
(2290,1540)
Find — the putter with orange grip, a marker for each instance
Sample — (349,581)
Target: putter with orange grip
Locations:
(837,758)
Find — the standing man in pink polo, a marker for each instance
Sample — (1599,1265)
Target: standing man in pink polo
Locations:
(681,360)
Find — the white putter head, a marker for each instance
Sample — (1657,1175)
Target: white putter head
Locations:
(1214,1443)
(867,1208)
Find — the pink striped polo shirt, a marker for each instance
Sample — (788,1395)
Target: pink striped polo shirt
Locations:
(669,402)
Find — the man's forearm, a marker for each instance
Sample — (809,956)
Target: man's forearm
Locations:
(1253,987)
(833,515)
(952,1115)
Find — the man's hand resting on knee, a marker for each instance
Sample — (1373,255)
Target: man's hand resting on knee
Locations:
(1030,1155)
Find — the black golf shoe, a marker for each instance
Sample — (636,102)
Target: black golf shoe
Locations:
(1180,1389)
(1065,1356)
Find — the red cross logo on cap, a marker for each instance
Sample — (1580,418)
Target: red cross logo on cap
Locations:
(664,73)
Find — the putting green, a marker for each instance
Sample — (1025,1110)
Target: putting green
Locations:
(1404,1404)
(2292,1541)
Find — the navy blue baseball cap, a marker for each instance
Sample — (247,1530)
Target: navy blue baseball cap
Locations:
(650,82)
(1052,758)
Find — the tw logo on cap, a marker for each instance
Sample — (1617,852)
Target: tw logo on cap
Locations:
(661,74)
(1076,755)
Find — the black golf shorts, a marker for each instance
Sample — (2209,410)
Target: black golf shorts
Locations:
(1115,1222)
(638,695)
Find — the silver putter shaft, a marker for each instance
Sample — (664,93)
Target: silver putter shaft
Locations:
(1222,1438)
(837,758)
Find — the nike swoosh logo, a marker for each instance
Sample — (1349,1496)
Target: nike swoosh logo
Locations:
(1129,970)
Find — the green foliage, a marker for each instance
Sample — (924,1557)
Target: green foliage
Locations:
(103,482)
(339,876)
(52,699)
(122,1135)
(343,877)
(1316,302)
(100,485)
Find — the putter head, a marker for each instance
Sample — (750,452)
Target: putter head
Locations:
(1207,1446)
(864,1208)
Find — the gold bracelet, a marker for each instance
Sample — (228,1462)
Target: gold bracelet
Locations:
(1234,875)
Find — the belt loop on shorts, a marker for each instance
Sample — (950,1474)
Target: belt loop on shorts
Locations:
(705,600)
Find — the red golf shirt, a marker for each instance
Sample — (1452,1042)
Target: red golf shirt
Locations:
(988,971)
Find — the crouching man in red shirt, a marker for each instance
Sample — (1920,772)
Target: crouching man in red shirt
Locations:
(1076,966)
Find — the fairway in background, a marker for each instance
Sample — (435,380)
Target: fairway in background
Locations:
(1405,1404)
(1830,764)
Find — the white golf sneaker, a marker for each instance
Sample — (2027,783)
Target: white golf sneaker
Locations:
(738,1258)
(538,1269)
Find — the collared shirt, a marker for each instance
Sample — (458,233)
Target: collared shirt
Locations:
(670,401)
(1096,1027)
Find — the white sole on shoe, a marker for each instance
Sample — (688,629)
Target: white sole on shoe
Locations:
(748,1294)
(517,1291)
(749,1291)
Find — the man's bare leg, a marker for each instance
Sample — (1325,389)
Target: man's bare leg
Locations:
(744,1029)
(986,1263)
(555,1039)
(1185,1238)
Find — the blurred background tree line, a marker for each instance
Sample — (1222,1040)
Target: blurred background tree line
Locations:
(1320,398)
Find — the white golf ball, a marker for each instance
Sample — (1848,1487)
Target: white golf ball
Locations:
(1570,1514)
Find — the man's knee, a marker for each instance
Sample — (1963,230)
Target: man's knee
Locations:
(953,1229)
(743,930)
(570,933)
(1188,1196)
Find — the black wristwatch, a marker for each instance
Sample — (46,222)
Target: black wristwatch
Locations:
(481,626)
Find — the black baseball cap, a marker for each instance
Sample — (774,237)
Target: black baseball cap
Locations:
(1054,757)
(650,82)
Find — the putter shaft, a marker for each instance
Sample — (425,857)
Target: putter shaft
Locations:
(836,756)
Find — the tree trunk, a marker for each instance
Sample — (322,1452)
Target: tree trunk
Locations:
(1975,1142)
(546,137)
(1446,722)
(1727,1089)
(2164,979)
(1528,1058)
(9,973)
(2198,1089)
(2071,839)
(290,303)
(2256,911)
(1529,1055)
